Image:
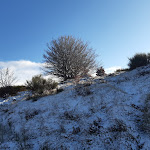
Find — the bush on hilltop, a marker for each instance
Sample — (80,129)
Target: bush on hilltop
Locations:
(138,60)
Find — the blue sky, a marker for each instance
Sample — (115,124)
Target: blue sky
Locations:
(116,29)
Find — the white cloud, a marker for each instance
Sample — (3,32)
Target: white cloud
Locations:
(23,69)
(112,69)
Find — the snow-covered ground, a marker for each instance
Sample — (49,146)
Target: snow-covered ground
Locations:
(105,115)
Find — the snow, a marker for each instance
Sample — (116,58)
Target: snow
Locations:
(106,118)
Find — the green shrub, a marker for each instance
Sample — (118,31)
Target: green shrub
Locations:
(138,60)
(40,86)
(11,90)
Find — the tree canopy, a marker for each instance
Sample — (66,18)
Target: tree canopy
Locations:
(68,57)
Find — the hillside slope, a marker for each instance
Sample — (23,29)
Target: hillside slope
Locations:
(103,115)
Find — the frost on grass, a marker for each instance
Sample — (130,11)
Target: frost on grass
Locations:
(98,116)
(145,117)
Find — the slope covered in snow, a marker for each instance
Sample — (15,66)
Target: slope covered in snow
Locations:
(99,114)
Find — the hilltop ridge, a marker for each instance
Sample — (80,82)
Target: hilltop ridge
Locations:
(101,113)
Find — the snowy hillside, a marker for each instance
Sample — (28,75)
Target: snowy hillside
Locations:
(97,115)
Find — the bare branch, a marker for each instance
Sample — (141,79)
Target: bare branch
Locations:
(68,57)
(7,77)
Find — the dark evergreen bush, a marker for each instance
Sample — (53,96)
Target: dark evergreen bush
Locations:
(100,71)
(138,60)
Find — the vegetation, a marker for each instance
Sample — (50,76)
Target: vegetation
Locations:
(120,70)
(40,86)
(7,77)
(11,90)
(146,116)
(100,71)
(68,57)
(83,89)
(138,60)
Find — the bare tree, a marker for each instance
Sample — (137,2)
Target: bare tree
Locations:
(7,77)
(68,57)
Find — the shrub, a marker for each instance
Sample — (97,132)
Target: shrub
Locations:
(19,88)
(40,86)
(100,71)
(11,90)
(76,130)
(70,115)
(82,90)
(138,60)
(121,70)
(59,90)
(148,56)
(30,115)
(94,127)
(119,126)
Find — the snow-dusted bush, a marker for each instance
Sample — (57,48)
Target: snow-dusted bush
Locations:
(95,127)
(40,86)
(70,115)
(82,89)
(30,115)
(76,130)
(119,126)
